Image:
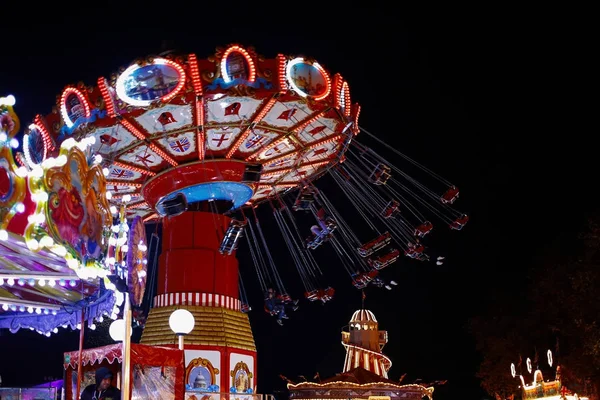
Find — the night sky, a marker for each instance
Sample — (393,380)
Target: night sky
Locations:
(480,100)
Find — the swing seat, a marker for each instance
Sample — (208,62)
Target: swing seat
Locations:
(370,247)
(391,209)
(315,241)
(380,174)
(326,295)
(423,229)
(460,222)
(450,195)
(363,279)
(312,295)
(383,261)
(232,235)
(414,250)
(286,298)
(305,198)
(422,257)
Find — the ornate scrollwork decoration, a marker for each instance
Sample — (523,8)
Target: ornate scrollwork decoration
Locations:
(241,368)
(76,210)
(241,90)
(202,362)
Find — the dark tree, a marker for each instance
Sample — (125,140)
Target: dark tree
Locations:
(558,309)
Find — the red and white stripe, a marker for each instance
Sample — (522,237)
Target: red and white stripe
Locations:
(197,299)
(373,361)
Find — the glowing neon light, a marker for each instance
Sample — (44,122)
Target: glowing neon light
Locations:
(151,217)
(243,52)
(356,112)
(195,73)
(337,90)
(63,105)
(45,139)
(200,136)
(281,72)
(133,168)
(345,99)
(237,193)
(122,93)
(295,88)
(108,100)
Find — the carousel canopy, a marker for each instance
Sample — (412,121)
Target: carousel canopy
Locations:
(52,237)
(234,127)
(38,291)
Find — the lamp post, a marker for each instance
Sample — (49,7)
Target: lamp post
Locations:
(182,323)
(126,370)
(120,331)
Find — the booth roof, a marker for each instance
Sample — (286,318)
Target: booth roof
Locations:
(65,302)
(140,354)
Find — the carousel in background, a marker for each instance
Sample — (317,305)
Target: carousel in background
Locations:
(60,253)
(539,388)
(198,145)
(53,236)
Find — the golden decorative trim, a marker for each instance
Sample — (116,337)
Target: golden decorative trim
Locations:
(215,326)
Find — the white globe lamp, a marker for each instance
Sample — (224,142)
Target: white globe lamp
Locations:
(182,323)
(116,330)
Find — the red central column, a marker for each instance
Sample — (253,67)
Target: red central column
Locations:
(190,261)
(220,352)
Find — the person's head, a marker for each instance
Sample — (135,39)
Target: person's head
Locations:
(103,378)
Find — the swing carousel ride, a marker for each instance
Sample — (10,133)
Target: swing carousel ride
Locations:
(198,144)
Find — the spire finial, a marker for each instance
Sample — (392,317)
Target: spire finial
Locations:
(364,296)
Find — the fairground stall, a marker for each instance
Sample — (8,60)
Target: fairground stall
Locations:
(156,373)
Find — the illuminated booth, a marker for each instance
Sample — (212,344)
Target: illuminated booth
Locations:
(156,372)
(546,389)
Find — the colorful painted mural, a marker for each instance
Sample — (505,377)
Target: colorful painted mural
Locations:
(77,211)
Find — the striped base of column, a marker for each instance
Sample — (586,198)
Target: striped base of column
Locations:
(197,299)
